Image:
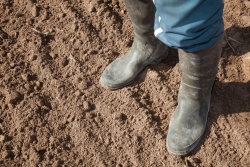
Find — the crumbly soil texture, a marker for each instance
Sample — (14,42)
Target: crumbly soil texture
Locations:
(53,111)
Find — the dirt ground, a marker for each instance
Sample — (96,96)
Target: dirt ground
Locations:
(53,112)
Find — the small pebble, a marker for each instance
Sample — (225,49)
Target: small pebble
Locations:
(7,154)
(25,77)
(14,97)
(40,103)
(12,64)
(34,11)
(2,138)
(90,115)
(91,7)
(53,55)
(27,86)
(9,55)
(83,85)
(32,57)
(107,141)
(38,83)
(3,53)
(86,106)
(64,62)
(78,93)
(153,75)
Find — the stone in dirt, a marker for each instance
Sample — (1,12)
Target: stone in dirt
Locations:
(14,97)
(86,106)
(82,85)
(2,138)
(26,77)
(7,154)
(3,53)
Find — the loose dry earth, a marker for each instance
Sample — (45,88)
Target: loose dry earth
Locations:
(53,112)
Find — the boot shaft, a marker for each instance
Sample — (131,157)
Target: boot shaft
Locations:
(189,119)
(202,64)
(141,13)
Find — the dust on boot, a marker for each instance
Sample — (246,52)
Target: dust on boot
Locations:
(146,48)
(189,119)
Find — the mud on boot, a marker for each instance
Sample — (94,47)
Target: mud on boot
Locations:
(146,48)
(189,119)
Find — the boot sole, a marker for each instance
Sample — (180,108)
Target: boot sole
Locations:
(118,86)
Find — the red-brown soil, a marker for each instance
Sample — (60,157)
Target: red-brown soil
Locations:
(53,112)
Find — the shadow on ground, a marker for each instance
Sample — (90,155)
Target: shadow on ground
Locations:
(228,99)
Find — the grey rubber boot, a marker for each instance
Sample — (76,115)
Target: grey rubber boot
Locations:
(189,119)
(146,48)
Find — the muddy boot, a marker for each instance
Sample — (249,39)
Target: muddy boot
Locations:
(189,119)
(146,48)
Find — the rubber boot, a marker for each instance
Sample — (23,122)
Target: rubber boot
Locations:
(146,48)
(189,119)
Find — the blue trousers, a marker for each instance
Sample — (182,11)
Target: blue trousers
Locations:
(191,25)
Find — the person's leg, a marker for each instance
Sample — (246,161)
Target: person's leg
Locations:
(195,28)
(189,25)
(146,48)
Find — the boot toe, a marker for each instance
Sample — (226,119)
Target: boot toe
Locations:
(104,82)
(181,146)
(117,75)
(181,141)
(108,81)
